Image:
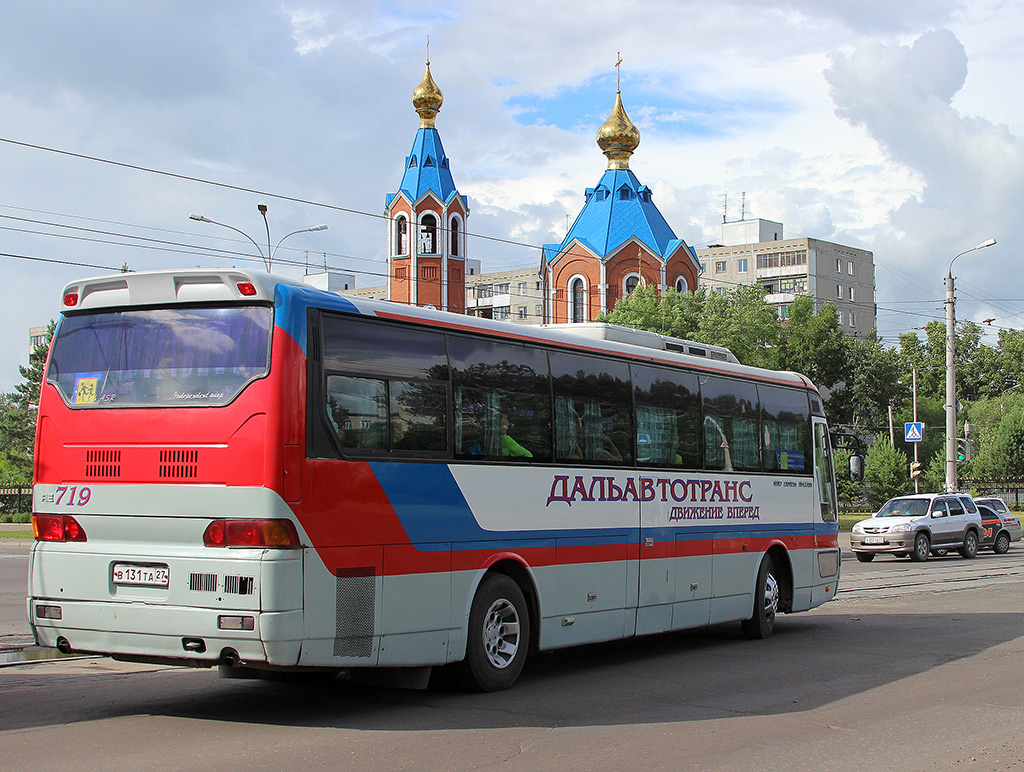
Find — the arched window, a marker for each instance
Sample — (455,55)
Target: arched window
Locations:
(401,236)
(681,285)
(455,236)
(630,283)
(578,300)
(428,235)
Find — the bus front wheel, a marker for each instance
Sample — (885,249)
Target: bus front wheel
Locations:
(766,602)
(499,635)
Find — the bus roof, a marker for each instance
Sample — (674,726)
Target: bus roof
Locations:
(197,285)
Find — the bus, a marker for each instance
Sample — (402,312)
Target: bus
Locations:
(237,469)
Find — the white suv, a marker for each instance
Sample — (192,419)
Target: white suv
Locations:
(918,526)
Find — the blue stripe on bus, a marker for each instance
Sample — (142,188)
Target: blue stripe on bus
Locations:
(431,508)
(290,304)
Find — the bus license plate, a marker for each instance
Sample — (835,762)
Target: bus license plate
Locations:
(146,576)
(874,540)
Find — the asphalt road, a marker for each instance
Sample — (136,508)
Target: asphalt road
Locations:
(914,667)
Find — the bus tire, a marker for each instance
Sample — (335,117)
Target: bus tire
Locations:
(766,602)
(499,636)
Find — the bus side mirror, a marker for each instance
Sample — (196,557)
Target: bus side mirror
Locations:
(856,468)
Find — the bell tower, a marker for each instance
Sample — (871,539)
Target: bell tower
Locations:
(427,217)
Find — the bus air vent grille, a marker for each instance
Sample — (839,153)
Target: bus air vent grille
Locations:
(103,464)
(356,587)
(238,585)
(203,582)
(179,464)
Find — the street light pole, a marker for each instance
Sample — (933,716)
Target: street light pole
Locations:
(271,251)
(201,218)
(951,480)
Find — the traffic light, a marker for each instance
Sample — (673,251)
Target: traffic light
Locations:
(915,469)
(961,449)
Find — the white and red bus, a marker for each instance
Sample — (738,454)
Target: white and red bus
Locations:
(236,469)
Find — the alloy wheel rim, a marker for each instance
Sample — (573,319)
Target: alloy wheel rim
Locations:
(501,633)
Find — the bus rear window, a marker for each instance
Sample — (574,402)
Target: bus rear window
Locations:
(181,357)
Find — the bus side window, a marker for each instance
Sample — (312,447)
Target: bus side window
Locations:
(786,430)
(357,408)
(593,410)
(668,425)
(502,397)
(730,425)
(386,387)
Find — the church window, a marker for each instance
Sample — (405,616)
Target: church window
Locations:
(401,236)
(681,284)
(455,236)
(428,162)
(624,193)
(428,234)
(412,161)
(630,284)
(577,295)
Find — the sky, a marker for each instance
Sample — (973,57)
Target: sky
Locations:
(894,127)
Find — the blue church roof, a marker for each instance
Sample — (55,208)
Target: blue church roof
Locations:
(426,169)
(617,209)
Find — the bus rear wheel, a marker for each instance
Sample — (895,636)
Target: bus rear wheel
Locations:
(766,602)
(499,635)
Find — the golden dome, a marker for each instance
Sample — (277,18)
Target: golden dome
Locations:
(618,137)
(427,99)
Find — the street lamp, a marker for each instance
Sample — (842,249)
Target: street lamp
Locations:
(951,481)
(269,257)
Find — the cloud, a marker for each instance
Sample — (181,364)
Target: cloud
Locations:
(972,170)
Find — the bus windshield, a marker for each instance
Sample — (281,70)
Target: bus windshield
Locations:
(160,357)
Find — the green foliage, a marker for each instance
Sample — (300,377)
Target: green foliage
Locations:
(18,418)
(932,414)
(886,472)
(849,492)
(739,320)
(933,478)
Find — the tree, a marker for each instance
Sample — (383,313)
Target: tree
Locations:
(934,478)
(849,492)
(886,472)
(18,417)
(814,343)
(740,320)
(874,380)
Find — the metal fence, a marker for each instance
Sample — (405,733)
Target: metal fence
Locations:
(1009,489)
(14,500)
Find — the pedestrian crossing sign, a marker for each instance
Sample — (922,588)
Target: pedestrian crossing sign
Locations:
(914,431)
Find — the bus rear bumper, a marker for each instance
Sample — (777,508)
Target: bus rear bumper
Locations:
(168,634)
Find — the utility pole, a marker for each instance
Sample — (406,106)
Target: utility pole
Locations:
(951,481)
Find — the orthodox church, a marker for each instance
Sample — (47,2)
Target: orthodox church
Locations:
(619,238)
(618,241)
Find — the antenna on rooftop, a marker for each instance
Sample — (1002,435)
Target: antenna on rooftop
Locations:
(743,206)
(725,207)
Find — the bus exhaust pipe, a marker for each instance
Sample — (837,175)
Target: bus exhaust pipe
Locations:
(229,658)
(63,645)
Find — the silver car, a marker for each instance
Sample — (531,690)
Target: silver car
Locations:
(918,525)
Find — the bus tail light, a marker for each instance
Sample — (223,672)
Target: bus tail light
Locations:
(71,299)
(246,288)
(57,528)
(251,533)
